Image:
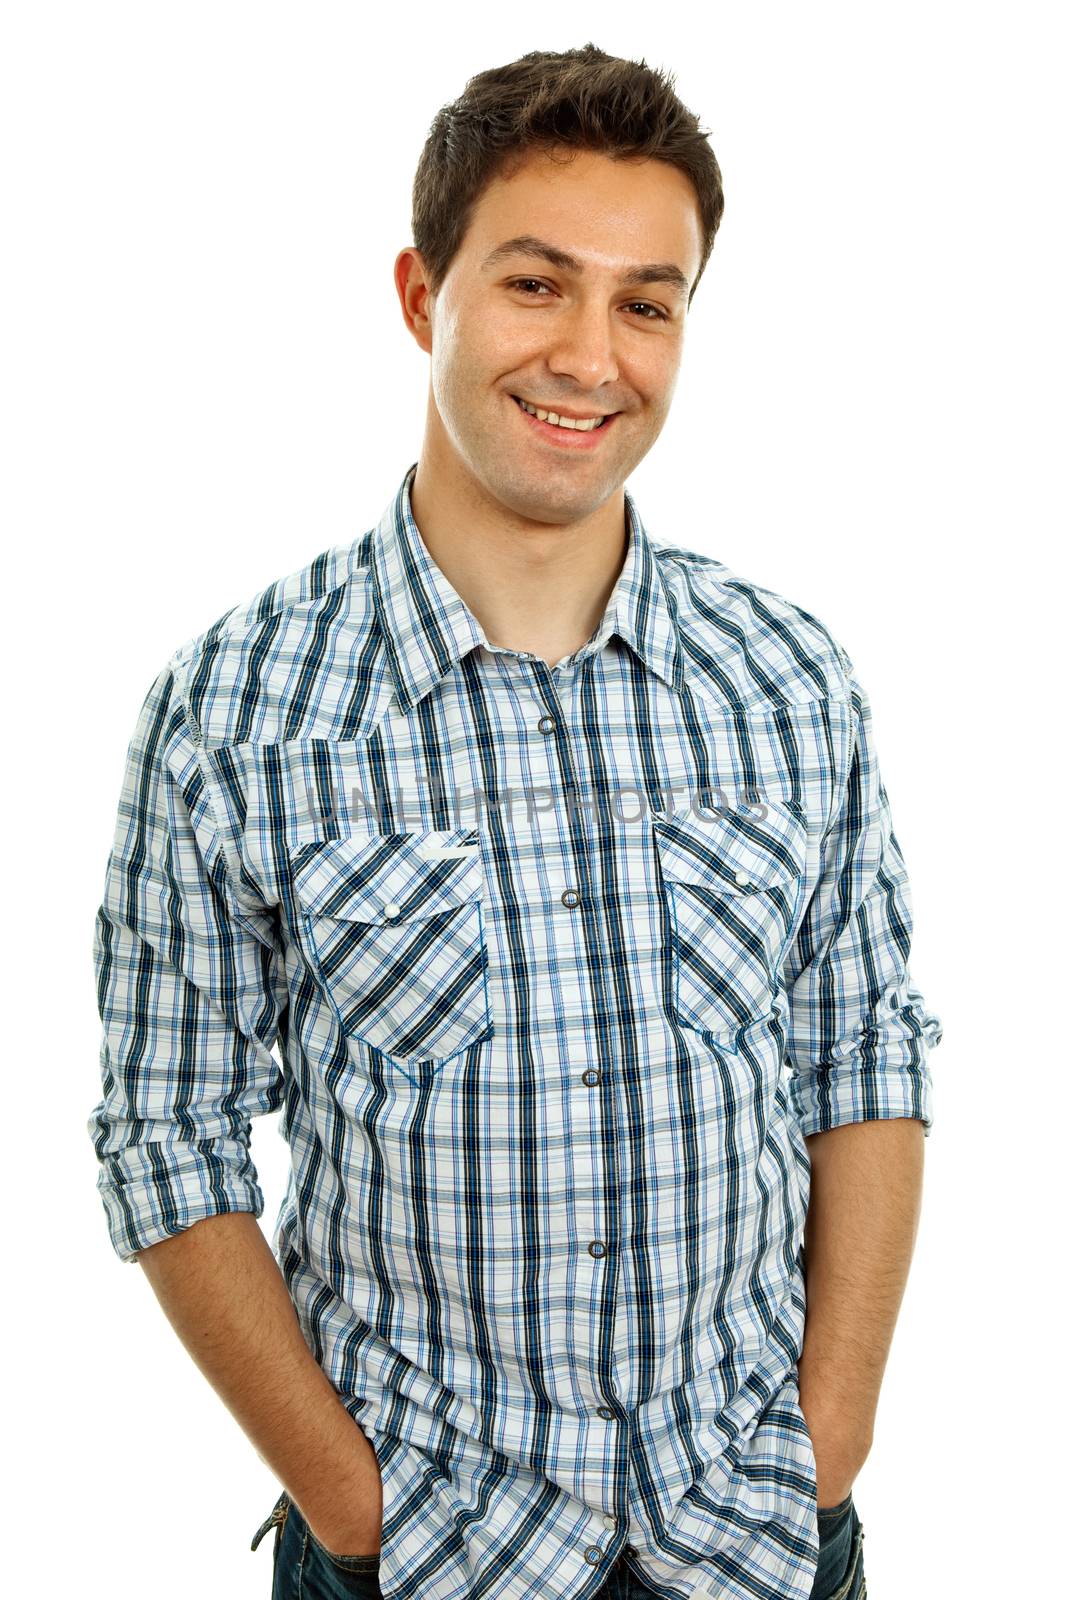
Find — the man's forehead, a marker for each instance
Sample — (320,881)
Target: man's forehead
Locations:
(577,228)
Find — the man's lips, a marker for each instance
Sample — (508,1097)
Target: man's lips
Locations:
(565,438)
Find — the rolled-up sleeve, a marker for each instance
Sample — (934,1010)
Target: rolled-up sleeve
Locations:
(859,1031)
(189,992)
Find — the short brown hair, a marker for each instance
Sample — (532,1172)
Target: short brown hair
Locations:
(584,99)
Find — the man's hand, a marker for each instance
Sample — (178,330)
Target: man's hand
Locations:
(839,1455)
(356,1537)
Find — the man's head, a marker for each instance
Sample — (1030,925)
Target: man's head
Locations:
(564,210)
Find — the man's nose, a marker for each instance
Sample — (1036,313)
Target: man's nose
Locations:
(583,347)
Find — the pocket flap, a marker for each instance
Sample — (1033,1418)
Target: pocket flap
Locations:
(733,852)
(384,877)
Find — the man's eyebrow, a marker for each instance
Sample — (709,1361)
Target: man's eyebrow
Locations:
(527,244)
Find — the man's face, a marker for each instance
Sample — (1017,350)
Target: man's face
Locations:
(567,338)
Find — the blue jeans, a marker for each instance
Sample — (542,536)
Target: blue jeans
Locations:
(305,1570)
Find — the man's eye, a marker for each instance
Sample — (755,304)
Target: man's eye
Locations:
(656,313)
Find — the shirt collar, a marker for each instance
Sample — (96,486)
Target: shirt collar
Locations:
(428,628)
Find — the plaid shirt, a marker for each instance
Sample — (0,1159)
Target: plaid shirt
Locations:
(560,965)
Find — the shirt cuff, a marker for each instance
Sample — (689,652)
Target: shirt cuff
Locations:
(828,1097)
(152,1191)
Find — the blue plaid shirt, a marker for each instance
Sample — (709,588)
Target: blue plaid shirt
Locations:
(560,965)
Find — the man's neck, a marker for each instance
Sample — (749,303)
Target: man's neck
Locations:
(534,586)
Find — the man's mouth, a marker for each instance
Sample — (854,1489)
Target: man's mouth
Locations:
(556,420)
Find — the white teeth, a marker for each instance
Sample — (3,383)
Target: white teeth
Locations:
(582,424)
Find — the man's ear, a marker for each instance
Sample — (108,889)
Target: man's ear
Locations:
(416,297)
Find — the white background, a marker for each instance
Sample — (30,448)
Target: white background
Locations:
(207,381)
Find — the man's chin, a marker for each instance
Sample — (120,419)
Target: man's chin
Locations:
(547,494)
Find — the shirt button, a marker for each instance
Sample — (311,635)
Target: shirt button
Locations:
(741,878)
(594,1555)
(391,910)
(591,1077)
(547,725)
(598,1248)
(607,1413)
(570,897)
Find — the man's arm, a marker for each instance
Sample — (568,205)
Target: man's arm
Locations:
(221,1289)
(859,1037)
(191,988)
(863,1218)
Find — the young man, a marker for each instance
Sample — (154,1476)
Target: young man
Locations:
(556,861)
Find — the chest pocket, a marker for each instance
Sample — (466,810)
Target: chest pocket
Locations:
(732,883)
(392,925)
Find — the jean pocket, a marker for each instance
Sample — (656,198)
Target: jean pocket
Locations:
(346,1563)
(325,1575)
(830,1516)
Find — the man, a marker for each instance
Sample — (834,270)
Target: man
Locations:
(556,861)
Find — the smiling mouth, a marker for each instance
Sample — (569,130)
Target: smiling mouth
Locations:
(570,424)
